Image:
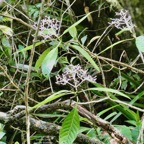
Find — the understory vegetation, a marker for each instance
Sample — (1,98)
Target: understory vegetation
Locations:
(71,72)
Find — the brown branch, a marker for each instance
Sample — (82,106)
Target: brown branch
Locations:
(121,63)
(19,20)
(103,124)
(53,129)
(115,62)
(44,127)
(106,126)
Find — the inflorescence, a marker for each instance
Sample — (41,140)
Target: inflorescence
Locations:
(74,76)
(124,21)
(48,27)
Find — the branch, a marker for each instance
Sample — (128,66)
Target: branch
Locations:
(102,123)
(44,127)
(53,130)
(106,126)
(19,20)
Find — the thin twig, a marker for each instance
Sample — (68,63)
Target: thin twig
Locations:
(29,75)
(19,20)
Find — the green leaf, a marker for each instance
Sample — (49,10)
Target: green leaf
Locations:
(93,39)
(16,143)
(70,128)
(41,58)
(75,24)
(121,31)
(84,129)
(51,98)
(126,131)
(140,43)
(111,46)
(2,135)
(1,93)
(109,90)
(30,47)
(87,56)
(106,110)
(135,133)
(6,30)
(83,39)
(73,32)
(2,142)
(111,115)
(49,61)
(50,31)
(5,42)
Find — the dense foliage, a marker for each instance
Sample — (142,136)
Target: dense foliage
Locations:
(71,72)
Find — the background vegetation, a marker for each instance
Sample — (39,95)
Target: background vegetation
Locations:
(71,71)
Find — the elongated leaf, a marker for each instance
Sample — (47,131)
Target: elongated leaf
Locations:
(121,31)
(40,59)
(111,46)
(51,98)
(75,24)
(140,43)
(93,39)
(106,110)
(6,30)
(110,90)
(73,32)
(30,47)
(49,61)
(70,128)
(87,56)
(121,108)
(111,115)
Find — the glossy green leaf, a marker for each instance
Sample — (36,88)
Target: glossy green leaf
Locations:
(70,128)
(73,32)
(40,59)
(87,56)
(6,30)
(49,62)
(140,43)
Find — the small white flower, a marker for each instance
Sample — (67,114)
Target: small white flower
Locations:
(74,76)
(48,27)
(123,20)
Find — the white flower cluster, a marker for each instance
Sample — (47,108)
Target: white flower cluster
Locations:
(74,76)
(48,27)
(124,20)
